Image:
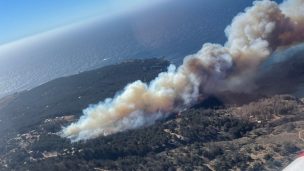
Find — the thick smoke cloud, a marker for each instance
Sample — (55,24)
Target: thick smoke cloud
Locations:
(251,38)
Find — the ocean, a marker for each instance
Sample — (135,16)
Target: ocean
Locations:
(171,30)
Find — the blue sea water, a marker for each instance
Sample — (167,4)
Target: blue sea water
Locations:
(171,30)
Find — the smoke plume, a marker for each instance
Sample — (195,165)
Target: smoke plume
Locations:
(251,38)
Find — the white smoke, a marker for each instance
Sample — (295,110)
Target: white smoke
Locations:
(252,36)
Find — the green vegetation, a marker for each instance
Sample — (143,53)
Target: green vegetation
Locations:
(261,135)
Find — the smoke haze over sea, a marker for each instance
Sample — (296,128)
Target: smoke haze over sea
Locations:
(172,29)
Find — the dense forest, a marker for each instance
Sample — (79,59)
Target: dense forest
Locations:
(261,135)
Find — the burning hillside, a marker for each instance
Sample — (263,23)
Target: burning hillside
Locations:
(252,38)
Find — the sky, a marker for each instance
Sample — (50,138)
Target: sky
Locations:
(23,18)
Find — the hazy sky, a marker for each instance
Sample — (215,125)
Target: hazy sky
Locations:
(22,18)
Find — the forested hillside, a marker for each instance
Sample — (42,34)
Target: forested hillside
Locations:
(261,135)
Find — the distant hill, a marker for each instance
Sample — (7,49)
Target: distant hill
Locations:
(69,95)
